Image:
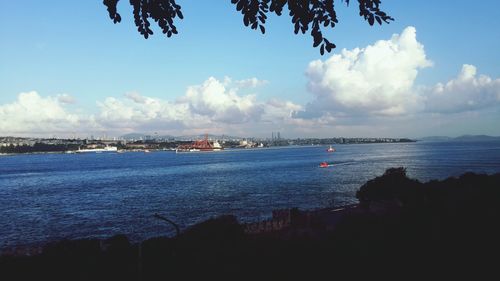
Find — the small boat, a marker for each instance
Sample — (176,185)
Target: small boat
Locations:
(330,149)
(323,164)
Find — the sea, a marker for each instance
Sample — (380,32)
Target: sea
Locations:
(48,197)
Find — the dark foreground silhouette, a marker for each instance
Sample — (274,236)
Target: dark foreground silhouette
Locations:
(401,229)
(315,15)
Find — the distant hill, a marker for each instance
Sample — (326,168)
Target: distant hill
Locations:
(133,136)
(462,138)
(436,138)
(476,138)
(210,136)
(137,136)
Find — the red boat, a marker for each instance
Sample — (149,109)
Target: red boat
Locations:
(323,164)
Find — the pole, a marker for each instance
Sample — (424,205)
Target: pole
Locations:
(177,230)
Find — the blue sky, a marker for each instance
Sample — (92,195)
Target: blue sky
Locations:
(70,49)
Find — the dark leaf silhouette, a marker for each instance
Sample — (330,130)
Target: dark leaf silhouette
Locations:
(370,19)
(305,15)
(262,29)
(161,11)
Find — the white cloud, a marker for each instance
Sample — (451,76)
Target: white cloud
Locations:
(136,97)
(377,79)
(278,111)
(65,98)
(250,83)
(466,92)
(214,105)
(36,114)
(214,100)
(375,85)
(136,113)
(366,91)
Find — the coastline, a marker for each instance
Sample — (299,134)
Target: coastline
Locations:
(222,150)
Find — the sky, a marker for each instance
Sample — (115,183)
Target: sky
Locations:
(67,70)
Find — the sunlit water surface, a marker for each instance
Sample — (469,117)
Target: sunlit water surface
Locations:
(44,197)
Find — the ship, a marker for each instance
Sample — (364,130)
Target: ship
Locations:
(330,149)
(98,150)
(200,145)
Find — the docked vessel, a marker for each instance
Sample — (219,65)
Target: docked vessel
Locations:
(98,150)
(200,145)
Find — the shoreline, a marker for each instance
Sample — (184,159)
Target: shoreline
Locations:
(225,149)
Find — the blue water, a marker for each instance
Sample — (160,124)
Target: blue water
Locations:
(45,197)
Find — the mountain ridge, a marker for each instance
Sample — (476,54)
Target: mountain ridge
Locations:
(461,138)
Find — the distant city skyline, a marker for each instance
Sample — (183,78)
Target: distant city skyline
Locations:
(65,74)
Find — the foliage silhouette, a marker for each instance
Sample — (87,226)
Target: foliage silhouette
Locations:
(306,15)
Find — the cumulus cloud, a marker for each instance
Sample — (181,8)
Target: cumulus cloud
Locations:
(363,91)
(36,114)
(377,79)
(65,98)
(138,112)
(377,82)
(468,91)
(136,97)
(209,106)
(212,105)
(250,83)
(214,100)
(279,111)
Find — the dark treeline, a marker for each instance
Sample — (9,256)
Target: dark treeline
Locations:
(153,144)
(38,147)
(404,229)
